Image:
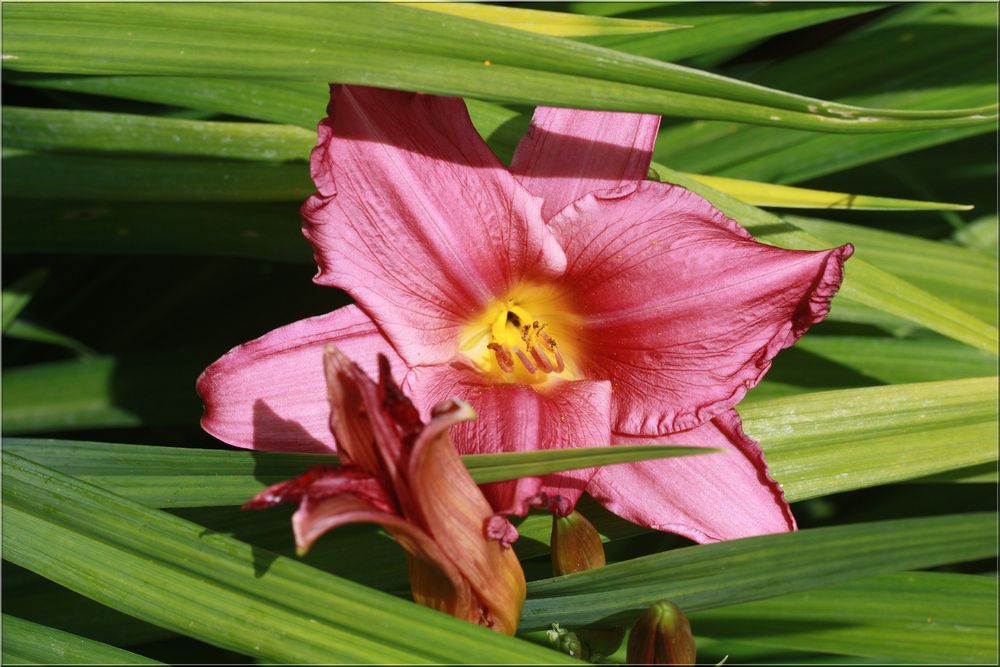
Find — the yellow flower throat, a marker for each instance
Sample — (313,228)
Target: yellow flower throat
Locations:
(527,337)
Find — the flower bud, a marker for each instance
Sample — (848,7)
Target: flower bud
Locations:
(576,545)
(661,636)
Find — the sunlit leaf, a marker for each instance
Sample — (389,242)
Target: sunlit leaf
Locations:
(342,42)
(918,616)
(715,575)
(220,590)
(28,643)
(546,23)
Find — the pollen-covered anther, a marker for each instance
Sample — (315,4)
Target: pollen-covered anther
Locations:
(550,343)
(504,360)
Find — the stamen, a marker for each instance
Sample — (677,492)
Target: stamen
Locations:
(560,366)
(524,360)
(504,360)
(542,360)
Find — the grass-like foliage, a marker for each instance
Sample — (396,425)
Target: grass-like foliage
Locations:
(154,159)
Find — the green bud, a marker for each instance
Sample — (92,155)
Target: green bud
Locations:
(661,636)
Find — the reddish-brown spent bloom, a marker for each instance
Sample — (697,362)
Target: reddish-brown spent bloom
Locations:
(406,476)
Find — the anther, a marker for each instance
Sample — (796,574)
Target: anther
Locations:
(504,360)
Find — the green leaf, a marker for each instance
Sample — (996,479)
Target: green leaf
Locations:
(29,643)
(30,174)
(863,283)
(834,441)
(725,573)
(716,25)
(62,129)
(218,589)
(261,230)
(783,196)
(980,236)
(816,444)
(922,56)
(545,23)
(828,362)
(163,477)
(39,334)
(960,277)
(344,43)
(920,616)
(17,296)
(89,392)
(299,103)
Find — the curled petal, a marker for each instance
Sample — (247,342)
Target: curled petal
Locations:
(270,393)
(683,310)
(569,153)
(417,219)
(709,497)
(520,418)
(455,513)
(434,579)
(364,430)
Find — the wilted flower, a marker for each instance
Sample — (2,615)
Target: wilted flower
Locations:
(661,636)
(406,476)
(569,300)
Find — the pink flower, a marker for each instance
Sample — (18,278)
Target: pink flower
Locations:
(407,477)
(569,300)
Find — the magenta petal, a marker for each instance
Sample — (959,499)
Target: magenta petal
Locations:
(709,497)
(417,219)
(519,418)
(683,311)
(270,393)
(568,153)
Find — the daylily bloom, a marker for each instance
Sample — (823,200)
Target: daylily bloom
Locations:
(569,300)
(406,476)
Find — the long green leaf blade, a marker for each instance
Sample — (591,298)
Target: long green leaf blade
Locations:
(490,62)
(29,643)
(919,616)
(218,589)
(725,573)
(829,442)
(181,477)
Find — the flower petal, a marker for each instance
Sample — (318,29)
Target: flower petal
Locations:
(709,497)
(434,579)
(519,418)
(417,219)
(569,153)
(270,393)
(683,311)
(455,513)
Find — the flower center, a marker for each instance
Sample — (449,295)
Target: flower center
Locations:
(527,337)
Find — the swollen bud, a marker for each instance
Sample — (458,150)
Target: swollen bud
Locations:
(576,545)
(661,636)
